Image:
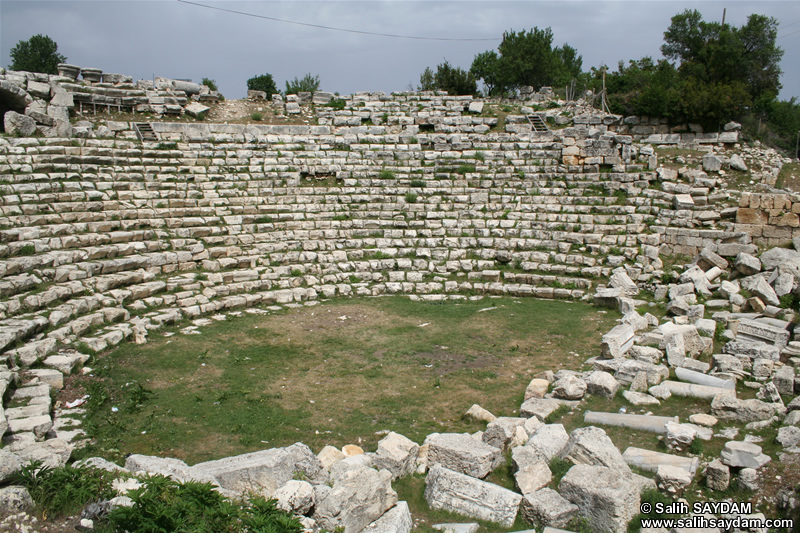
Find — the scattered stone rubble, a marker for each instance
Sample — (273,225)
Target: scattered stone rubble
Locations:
(416,194)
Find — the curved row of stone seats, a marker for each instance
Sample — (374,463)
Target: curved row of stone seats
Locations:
(242,213)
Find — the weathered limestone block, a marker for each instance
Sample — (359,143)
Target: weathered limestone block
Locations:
(590,445)
(541,408)
(479,414)
(53,453)
(537,388)
(602,384)
(547,507)
(18,125)
(605,498)
(396,520)
(743,454)
(747,264)
(462,453)
(727,407)
(459,493)
(617,342)
(718,475)
(295,496)
(10,465)
(500,432)
(759,287)
(359,496)
(263,471)
(569,388)
(672,480)
(532,472)
(548,441)
(397,454)
(784,380)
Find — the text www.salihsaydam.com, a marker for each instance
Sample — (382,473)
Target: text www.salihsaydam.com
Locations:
(698,522)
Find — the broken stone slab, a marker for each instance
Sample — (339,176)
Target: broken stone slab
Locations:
(262,471)
(617,342)
(359,496)
(501,433)
(591,445)
(295,496)
(703,379)
(462,453)
(18,125)
(655,424)
(640,398)
(620,280)
(672,480)
(774,257)
(608,298)
(537,388)
(630,368)
(605,498)
(602,384)
(743,454)
(196,110)
(329,456)
(708,259)
(548,441)
(456,492)
(569,388)
(788,436)
(10,465)
(747,264)
(532,472)
(730,408)
(546,507)
(759,331)
(718,475)
(683,201)
(479,414)
(397,454)
(679,437)
(692,390)
(470,527)
(396,520)
(752,350)
(541,408)
(650,460)
(784,380)
(760,288)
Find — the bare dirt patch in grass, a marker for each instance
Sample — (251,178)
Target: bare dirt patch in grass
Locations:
(335,373)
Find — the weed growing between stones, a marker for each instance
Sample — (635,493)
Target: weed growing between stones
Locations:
(60,492)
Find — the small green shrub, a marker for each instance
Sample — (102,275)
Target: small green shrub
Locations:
(337,103)
(411,198)
(263,220)
(27,249)
(465,169)
(256,116)
(63,491)
(558,467)
(341,217)
(386,175)
(163,504)
(417,183)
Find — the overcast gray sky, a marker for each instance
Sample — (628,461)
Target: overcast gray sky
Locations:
(143,38)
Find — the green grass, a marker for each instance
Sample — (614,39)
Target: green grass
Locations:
(259,382)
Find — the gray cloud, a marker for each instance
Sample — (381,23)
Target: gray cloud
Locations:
(143,38)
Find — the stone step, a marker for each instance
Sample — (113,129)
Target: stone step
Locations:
(650,460)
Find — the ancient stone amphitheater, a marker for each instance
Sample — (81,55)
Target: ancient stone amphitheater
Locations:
(110,231)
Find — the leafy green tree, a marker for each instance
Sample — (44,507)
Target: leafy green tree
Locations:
(526,58)
(485,67)
(262,83)
(427,81)
(37,54)
(456,81)
(721,54)
(308,84)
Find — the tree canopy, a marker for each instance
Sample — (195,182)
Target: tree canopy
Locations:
(526,58)
(720,54)
(37,54)
(456,81)
(262,83)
